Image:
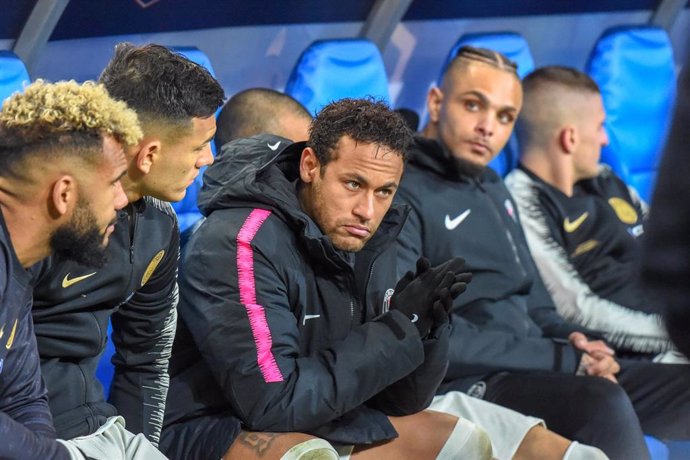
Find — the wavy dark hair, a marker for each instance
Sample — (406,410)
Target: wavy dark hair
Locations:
(364,120)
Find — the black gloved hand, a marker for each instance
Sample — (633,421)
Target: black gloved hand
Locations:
(444,304)
(416,294)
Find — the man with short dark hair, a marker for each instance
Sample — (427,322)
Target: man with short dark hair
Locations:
(175,101)
(61,161)
(508,343)
(289,319)
(582,222)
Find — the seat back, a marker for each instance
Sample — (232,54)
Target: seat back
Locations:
(635,70)
(329,70)
(13,74)
(187,209)
(515,48)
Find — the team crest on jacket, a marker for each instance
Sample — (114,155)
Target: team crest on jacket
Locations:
(510,209)
(624,211)
(387,299)
(152,266)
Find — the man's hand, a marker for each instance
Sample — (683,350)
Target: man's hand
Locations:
(427,295)
(598,358)
(605,367)
(591,347)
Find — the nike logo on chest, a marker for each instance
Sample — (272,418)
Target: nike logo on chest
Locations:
(451,224)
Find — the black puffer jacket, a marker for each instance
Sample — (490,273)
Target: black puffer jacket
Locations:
(281,329)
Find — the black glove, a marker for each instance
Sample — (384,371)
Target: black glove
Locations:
(444,304)
(416,294)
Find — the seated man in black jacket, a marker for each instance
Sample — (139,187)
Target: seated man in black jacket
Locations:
(508,343)
(61,160)
(289,316)
(582,222)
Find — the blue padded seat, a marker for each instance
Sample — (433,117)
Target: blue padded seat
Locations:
(515,48)
(13,74)
(329,70)
(187,210)
(635,70)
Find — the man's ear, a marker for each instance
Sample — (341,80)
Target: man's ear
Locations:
(63,196)
(568,138)
(433,104)
(149,151)
(309,165)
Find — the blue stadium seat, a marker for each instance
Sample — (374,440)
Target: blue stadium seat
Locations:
(634,68)
(105,370)
(515,47)
(187,210)
(329,70)
(13,74)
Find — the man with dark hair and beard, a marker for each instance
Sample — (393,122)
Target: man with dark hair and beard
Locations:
(136,289)
(508,343)
(61,160)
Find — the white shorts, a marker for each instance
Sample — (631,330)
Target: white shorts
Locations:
(112,441)
(505,427)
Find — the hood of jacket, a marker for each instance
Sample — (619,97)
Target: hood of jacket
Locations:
(264,170)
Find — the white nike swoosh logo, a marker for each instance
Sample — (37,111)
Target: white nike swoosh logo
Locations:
(306,317)
(452,223)
(415,318)
(273,147)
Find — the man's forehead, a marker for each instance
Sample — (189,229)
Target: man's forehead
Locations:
(485,79)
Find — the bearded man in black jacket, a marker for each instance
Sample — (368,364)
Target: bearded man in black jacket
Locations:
(508,343)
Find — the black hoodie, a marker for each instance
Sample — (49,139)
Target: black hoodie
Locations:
(506,320)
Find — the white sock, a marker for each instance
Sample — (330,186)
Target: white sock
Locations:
(467,440)
(313,449)
(577,451)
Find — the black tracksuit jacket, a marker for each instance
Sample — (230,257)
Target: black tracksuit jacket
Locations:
(280,329)
(137,289)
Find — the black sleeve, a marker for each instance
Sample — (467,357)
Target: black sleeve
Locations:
(667,240)
(414,392)
(26,425)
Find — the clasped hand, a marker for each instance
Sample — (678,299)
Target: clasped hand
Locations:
(426,297)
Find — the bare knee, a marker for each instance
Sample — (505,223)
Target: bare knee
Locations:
(542,443)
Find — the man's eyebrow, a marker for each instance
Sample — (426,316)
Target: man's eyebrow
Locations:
(485,100)
(363,181)
(208,140)
(391,184)
(124,173)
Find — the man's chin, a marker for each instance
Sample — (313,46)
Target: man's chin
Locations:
(473,167)
(349,244)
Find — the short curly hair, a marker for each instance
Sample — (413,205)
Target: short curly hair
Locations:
(364,120)
(63,118)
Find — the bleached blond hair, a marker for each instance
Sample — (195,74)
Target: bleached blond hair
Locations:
(67,106)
